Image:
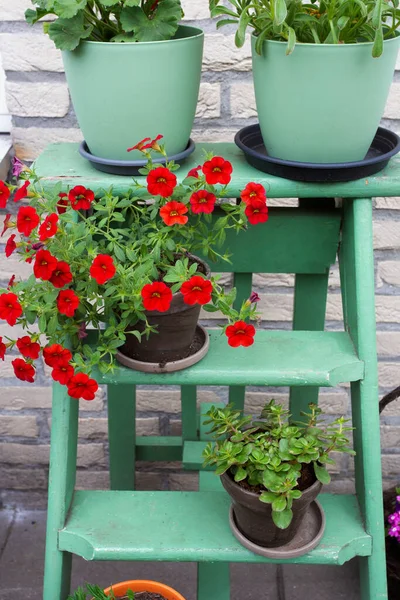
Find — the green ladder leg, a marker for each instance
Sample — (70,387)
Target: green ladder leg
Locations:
(122,436)
(64,435)
(357,271)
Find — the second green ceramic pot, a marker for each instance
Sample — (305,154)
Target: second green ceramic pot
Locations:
(322,103)
(124,92)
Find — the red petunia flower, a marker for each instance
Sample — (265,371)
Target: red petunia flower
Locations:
(23,370)
(10,308)
(11,246)
(55,355)
(202,202)
(156,296)
(62,203)
(11,282)
(63,373)
(67,302)
(217,170)
(7,224)
(27,220)
(154,145)
(140,145)
(81,198)
(253,191)
(4,194)
(240,334)
(3,349)
(102,268)
(256,212)
(49,227)
(61,275)
(173,213)
(45,265)
(194,172)
(28,348)
(81,386)
(161,182)
(22,192)
(197,290)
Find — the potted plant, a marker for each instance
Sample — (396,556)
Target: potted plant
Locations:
(322,72)
(128,590)
(131,68)
(125,267)
(272,469)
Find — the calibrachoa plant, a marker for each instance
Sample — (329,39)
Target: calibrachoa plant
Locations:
(101,263)
(394,519)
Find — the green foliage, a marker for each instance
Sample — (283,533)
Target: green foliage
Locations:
(107,20)
(315,22)
(271,452)
(94,592)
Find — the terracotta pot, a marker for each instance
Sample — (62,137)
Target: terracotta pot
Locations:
(175,330)
(254,518)
(141,585)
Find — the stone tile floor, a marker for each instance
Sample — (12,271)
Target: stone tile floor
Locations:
(22,536)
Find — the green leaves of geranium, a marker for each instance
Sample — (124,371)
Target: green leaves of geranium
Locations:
(162,24)
(67,33)
(66,9)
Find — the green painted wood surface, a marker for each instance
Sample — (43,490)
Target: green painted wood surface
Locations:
(189,412)
(159,448)
(171,526)
(122,436)
(193,456)
(62,162)
(276,358)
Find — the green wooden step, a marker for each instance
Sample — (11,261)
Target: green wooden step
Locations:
(191,526)
(193,456)
(277,358)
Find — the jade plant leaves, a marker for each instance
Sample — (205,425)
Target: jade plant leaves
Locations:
(67,33)
(161,26)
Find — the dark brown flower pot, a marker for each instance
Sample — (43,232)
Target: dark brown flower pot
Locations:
(175,330)
(254,518)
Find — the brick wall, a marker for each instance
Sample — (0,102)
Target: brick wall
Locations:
(39,102)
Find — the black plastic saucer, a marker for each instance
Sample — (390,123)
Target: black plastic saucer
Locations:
(385,145)
(129,167)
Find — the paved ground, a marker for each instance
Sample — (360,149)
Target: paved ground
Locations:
(22,535)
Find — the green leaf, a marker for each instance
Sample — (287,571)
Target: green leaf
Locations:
(119,253)
(66,9)
(162,26)
(279,504)
(270,479)
(67,33)
(291,41)
(268,497)
(321,474)
(240,474)
(377,48)
(282,519)
(280,12)
(42,323)
(240,36)
(132,3)
(108,2)
(33,16)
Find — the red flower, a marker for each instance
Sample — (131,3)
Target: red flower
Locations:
(4,194)
(3,349)
(11,282)
(102,268)
(7,224)
(63,373)
(67,302)
(27,220)
(11,246)
(22,192)
(81,198)
(55,355)
(240,334)
(194,172)
(161,182)
(81,386)
(45,265)
(140,145)
(62,203)
(197,290)
(256,212)
(61,275)
(202,202)
(173,213)
(10,308)
(154,145)
(49,227)
(217,170)
(23,370)
(253,191)
(28,348)
(156,296)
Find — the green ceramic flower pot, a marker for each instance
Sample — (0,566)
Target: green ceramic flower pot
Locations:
(322,103)
(124,92)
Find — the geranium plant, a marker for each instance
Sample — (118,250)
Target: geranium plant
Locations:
(273,455)
(315,22)
(101,263)
(107,20)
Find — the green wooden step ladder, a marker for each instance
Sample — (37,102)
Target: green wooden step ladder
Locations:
(123,524)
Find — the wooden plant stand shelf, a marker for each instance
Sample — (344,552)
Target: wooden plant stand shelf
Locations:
(122,524)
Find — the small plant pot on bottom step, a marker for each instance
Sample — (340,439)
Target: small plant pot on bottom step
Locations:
(253,518)
(155,590)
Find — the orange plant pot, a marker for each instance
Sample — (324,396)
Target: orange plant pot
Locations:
(141,585)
